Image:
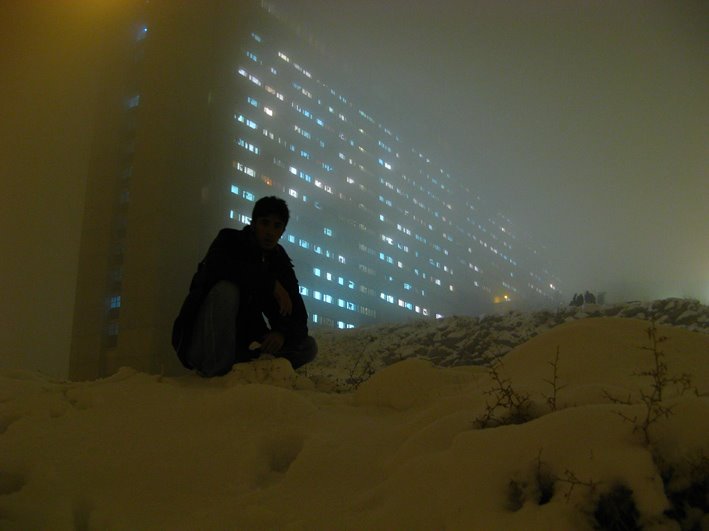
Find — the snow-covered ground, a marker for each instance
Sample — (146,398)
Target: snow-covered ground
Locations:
(415,446)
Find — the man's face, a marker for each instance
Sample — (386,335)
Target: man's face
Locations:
(268,230)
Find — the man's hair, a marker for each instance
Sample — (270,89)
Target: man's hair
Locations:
(271,205)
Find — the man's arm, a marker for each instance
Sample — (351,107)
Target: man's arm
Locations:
(293,324)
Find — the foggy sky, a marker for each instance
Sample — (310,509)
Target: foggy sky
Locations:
(586,123)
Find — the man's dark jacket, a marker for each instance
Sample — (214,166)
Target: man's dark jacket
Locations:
(236,257)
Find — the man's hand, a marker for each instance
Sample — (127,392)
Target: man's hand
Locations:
(285,305)
(272,342)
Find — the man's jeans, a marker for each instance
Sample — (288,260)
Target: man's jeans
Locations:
(213,349)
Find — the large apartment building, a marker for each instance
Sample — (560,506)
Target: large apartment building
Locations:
(223,103)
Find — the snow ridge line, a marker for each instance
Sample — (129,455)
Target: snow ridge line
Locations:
(460,340)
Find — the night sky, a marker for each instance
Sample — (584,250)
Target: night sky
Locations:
(585,122)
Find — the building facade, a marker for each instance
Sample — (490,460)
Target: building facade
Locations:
(378,232)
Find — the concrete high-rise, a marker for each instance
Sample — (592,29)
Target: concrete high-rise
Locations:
(222,103)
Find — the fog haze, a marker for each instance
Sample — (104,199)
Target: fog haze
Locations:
(586,123)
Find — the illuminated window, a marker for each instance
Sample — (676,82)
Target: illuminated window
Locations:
(142,33)
(243,168)
(248,146)
(250,123)
(133,101)
(250,77)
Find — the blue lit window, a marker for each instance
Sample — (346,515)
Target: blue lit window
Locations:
(250,123)
(252,56)
(316,271)
(248,146)
(256,37)
(234,189)
(133,101)
(252,101)
(303,290)
(249,196)
(141,33)
(115,302)
(327,231)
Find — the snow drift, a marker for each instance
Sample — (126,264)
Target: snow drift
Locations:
(267,448)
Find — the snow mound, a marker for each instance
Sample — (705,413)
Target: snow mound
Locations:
(346,358)
(265,448)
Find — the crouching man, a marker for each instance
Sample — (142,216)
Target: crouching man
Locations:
(245,276)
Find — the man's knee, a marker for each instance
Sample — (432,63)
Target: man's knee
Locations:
(304,352)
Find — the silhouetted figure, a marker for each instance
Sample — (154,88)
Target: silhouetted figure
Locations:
(576,300)
(589,298)
(245,275)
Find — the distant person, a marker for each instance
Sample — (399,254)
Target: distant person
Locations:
(245,276)
(589,298)
(577,300)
